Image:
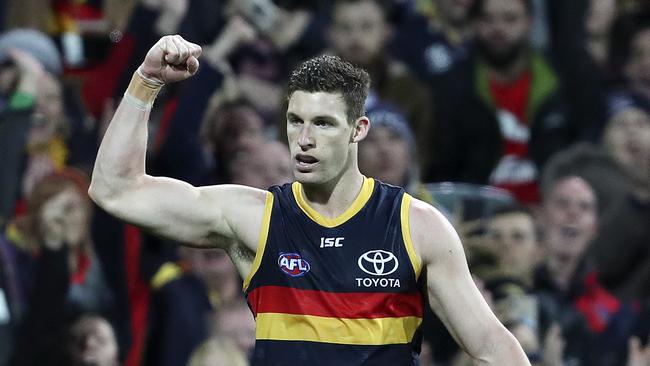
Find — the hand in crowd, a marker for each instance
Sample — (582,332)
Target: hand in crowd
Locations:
(234,34)
(638,355)
(172,13)
(553,346)
(30,71)
(171,59)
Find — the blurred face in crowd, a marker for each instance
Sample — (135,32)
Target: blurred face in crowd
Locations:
(94,343)
(627,138)
(569,217)
(262,166)
(237,128)
(67,212)
(384,155)
(237,324)
(211,265)
(358,31)
(322,141)
(514,237)
(502,31)
(454,11)
(637,68)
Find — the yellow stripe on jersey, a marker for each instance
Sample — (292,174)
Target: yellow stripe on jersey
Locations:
(356,206)
(380,331)
(406,235)
(261,244)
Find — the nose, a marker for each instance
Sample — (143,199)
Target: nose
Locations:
(305,139)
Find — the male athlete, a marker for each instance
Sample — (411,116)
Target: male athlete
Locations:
(339,259)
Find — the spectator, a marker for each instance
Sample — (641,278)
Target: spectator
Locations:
(228,128)
(567,284)
(32,117)
(389,151)
(509,117)
(185,296)
(512,233)
(433,37)
(621,248)
(57,269)
(261,166)
(359,33)
(92,342)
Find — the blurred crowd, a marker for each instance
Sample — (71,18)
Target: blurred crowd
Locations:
(526,122)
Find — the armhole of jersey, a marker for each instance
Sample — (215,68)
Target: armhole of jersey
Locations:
(261,244)
(406,235)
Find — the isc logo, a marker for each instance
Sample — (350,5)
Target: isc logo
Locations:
(331,242)
(292,264)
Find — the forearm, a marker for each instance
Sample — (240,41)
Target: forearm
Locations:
(121,157)
(501,349)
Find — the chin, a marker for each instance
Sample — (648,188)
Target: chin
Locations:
(303,177)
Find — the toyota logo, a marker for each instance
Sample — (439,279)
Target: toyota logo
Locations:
(378,262)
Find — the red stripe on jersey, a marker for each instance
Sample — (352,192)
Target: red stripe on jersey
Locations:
(352,305)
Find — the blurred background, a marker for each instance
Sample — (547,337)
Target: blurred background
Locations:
(526,122)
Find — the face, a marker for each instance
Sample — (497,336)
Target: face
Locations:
(239,128)
(502,30)
(94,343)
(454,11)
(514,237)
(264,166)
(66,213)
(385,155)
(569,217)
(359,31)
(627,138)
(211,265)
(322,142)
(637,68)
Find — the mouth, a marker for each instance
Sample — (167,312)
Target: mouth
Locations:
(305,163)
(569,232)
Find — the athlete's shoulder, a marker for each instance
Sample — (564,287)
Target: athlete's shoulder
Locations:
(431,231)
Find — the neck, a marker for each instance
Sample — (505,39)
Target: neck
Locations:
(561,271)
(331,199)
(512,72)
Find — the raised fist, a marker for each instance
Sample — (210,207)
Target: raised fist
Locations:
(171,59)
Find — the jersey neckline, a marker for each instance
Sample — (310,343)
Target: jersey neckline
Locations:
(359,202)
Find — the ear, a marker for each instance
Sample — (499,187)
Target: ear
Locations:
(361,128)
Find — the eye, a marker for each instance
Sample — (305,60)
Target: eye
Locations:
(295,121)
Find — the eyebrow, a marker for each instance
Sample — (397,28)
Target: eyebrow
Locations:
(327,118)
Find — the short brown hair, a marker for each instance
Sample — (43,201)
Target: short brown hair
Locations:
(330,74)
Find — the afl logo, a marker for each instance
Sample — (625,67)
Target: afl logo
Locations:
(378,262)
(293,265)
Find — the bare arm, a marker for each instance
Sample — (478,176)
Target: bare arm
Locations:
(453,294)
(165,206)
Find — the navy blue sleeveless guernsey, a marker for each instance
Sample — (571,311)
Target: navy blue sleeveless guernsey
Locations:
(341,291)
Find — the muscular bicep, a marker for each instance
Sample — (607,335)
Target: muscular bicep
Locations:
(198,216)
(452,293)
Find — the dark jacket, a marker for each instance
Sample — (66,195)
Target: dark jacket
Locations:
(470,143)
